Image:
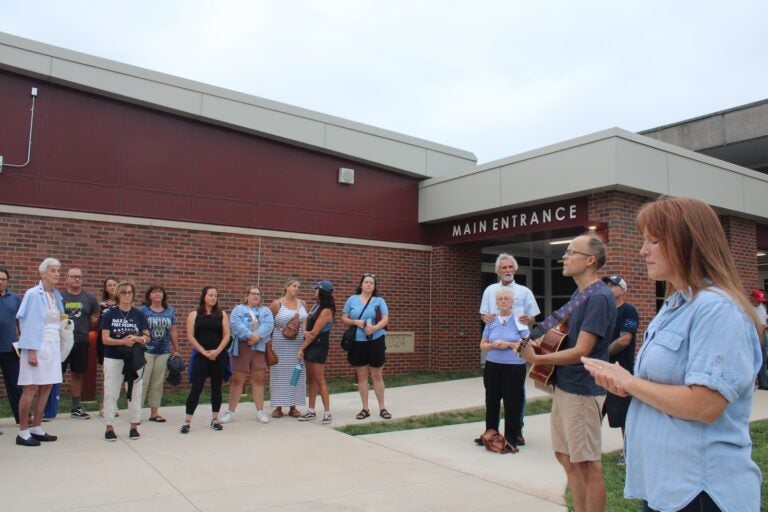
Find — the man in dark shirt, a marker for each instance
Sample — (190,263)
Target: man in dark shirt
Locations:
(576,416)
(83,309)
(621,350)
(9,361)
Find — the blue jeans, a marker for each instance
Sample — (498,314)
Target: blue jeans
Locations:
(762,380)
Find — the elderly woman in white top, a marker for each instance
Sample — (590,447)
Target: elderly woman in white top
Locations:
(39,317)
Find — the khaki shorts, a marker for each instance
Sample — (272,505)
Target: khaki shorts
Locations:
(248,360)
(575,423)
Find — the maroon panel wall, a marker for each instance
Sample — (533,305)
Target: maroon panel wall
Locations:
(97,154)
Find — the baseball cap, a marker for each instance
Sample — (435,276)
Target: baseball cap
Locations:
(324,285)
(758,295)
(617,280)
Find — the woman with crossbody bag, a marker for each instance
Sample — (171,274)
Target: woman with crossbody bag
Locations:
(288,335)
(368,311)
(251,327)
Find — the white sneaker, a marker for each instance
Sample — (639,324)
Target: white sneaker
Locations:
(262,417)
(227,417)
(327,418)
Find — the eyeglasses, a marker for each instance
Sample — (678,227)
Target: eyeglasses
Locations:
(254,293)
(366,274)
(125,292)
(570,252)
(75,277)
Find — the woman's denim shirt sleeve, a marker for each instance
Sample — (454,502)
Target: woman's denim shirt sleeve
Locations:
(31,316)
(240,320)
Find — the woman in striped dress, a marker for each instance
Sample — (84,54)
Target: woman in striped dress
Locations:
(282,393)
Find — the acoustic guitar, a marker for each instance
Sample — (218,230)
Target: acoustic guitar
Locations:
(542,374)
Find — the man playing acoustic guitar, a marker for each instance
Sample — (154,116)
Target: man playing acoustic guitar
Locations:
(578,401)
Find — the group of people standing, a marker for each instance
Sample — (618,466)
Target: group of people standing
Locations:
(684,399)
(135,344)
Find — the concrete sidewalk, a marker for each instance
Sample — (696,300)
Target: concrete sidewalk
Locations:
(290,465)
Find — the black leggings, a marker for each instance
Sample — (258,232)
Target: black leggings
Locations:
(504,382)
(701,503)
(203,368)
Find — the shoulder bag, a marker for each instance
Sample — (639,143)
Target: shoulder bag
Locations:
(349,335)
(269,353)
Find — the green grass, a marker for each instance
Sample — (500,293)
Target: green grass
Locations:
(474,415)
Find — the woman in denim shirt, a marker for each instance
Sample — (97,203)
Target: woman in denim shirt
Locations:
(687,439)
(251,327)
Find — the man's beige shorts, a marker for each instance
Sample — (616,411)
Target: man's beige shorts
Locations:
(575,425)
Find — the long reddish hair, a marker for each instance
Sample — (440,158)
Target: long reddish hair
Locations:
(691,237)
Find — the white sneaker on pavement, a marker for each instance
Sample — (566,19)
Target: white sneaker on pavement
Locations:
(262,417)
(327,418)
(227,417)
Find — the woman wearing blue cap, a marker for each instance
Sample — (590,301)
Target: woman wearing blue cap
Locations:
(314,350)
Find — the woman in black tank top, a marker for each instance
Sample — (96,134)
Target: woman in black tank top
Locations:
(208,332)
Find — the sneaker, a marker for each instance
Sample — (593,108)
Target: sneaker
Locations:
(621,461)
(80,414)
(327,418)
(184,428)
(308,416)
(134,434)
(262,417)
(110,436)
(227,417)
(46,419)
(216,425)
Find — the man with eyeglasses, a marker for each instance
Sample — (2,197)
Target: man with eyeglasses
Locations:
(576,417)
(524,308)
(9,333)
(83,309)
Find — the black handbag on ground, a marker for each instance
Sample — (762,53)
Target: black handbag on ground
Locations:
(348,337)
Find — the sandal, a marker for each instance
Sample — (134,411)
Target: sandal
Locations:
(277,413)
(294,413)
(363,414)
(385,414)
(158,419)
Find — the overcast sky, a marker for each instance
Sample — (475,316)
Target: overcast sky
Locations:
(493,77)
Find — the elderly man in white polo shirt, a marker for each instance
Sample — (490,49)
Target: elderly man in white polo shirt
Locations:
(524,308)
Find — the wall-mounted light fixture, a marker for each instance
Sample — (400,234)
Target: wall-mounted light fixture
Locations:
(29,147)
(346,176)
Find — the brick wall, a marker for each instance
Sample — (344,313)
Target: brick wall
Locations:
(618,210)
(456,291)
(186,260)
(742,239)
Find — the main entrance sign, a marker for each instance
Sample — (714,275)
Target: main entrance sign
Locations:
(564,214)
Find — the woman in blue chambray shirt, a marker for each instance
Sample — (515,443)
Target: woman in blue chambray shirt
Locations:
(687,434)
(252,326)
(504,373)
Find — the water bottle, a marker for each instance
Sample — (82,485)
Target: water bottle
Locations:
(296,373)
(368,323)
